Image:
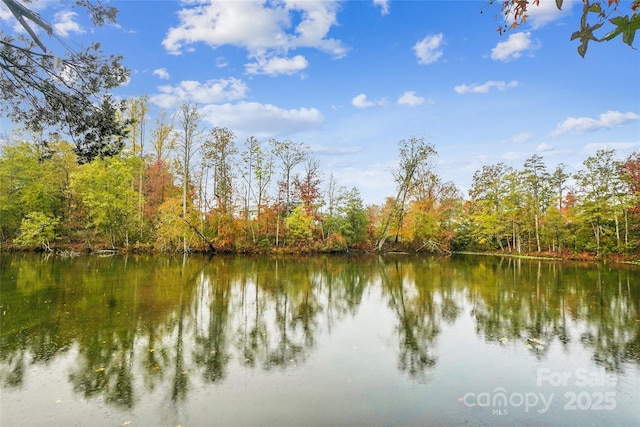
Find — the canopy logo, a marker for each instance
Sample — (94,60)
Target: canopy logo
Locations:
(500,401)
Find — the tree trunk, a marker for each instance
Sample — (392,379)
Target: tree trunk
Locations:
(537,219)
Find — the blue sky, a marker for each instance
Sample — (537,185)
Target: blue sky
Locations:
(350,79)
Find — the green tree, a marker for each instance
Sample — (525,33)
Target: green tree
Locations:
(488,189)
(555,229)
(171,230)
(105,191)
(355,221)
(558,181)
(137,109)
(37,231)
(421,226)
(512,210)
(601,191)
(300,226)
(536,182)
(33,178)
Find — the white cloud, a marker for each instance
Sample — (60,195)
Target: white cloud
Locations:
(317,20)
(607,120)
(372,180)
(326,150)
(264,29)
(361,101)
(513,47)
(546,12)
(162,73)
(211,91)
(411,99)
(429,49)
(544,147)
(384,6)
(63,22)
(6,15)
(275,66)
(519,138)
(262,120)
(243,23)
(512,156)
(485,87)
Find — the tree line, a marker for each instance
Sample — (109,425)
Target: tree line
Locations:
(188,188)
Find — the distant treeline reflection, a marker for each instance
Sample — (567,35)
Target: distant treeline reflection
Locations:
(139,322)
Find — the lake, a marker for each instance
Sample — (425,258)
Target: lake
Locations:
(393,340)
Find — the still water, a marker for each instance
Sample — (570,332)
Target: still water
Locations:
(330,341)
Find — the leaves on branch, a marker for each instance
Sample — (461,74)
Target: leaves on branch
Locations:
(595,14)
(625,26)
(43,91)
(585,35)
(99,132)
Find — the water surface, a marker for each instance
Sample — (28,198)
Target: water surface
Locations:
(372,341)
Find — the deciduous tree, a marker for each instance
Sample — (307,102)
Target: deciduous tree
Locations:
(355,221)
(37,231)
(188,118)
(487,192)
(219,153)
(537,192)
(33,178)
(414,171)
(299,226)
(105,190)
(600,189)
(306,186)
(62,88)
(290,155)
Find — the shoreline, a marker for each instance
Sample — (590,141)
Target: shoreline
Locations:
(77,249)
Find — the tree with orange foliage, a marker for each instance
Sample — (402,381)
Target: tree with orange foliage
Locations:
(631,174)
(158,186)
(306,186)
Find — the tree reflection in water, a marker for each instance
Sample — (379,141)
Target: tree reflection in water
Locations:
(139,323)
(418,320)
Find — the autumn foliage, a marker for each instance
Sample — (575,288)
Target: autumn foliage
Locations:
(131,202)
